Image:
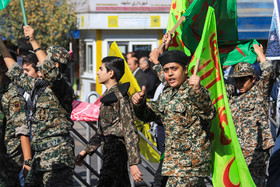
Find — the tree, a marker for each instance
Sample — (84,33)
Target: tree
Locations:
(52,21)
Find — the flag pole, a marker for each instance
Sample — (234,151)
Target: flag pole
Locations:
(23,12)
(173,30)
(196,66)
(23,15)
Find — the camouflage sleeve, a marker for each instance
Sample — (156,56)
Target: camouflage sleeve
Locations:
(147,111)
(230,89)
(267,77)
(266,138)
(17,112)
(160,73)
(202,101)
(93,143)
(131,137)
(49,70)
(16,74)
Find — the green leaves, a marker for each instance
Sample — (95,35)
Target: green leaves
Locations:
(51,19)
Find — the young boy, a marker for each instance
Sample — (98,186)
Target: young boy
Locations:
(48,118)
(29,65)
(116,129)
(14,133)
(185,109)
(249,109)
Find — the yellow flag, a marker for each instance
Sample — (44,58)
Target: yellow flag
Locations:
(145,149)
(128,76)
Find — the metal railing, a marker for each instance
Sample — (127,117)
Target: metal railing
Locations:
(88,126)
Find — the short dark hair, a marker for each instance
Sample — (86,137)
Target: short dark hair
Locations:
(31,59)
(116,64)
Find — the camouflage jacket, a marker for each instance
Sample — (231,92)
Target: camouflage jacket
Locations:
(185,116)
(250,116)
(117,119)
(14,108)
(51,118)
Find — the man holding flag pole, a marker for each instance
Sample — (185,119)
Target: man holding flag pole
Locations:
(185,109)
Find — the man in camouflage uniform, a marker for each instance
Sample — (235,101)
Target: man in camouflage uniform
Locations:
(14,131)
(249,110)
(49,117)
(185,109)
(116,129)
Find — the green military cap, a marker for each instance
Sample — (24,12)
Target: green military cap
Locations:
(58,54)
(243,69)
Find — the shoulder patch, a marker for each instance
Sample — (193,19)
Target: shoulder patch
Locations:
(17,105)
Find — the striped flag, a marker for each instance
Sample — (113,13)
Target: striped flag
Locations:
(178,7)
(228,164)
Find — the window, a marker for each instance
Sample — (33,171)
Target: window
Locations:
(89,59)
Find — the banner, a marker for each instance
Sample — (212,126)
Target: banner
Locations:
(228,164)
(273,43)
(83,111)
(226,16)
(242,51)
(178,7)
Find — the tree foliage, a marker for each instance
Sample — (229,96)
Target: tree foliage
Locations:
(52,21)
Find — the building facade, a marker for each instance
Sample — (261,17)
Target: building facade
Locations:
(138,25)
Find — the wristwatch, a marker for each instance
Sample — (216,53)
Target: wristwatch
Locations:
(28,162)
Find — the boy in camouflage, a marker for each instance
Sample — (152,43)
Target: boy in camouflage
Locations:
(14,133)
(49,115)
(249,110)
(116,129)
(185,109)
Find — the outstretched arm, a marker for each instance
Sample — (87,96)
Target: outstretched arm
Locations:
(6,54)
(29,32)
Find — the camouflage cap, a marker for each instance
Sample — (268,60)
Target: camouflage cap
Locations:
(243,69)
(58,54)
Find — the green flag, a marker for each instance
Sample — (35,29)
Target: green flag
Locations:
(178,7)
(228,164)
(225,12)
(242,51)
(231,50)
(3,4)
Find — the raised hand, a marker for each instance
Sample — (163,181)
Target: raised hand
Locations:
(29,32)
(154,56)
(194,81)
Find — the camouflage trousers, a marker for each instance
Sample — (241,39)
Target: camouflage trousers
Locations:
(257,164)
(52,166)
(258,175)
(56,178)
(185,181)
